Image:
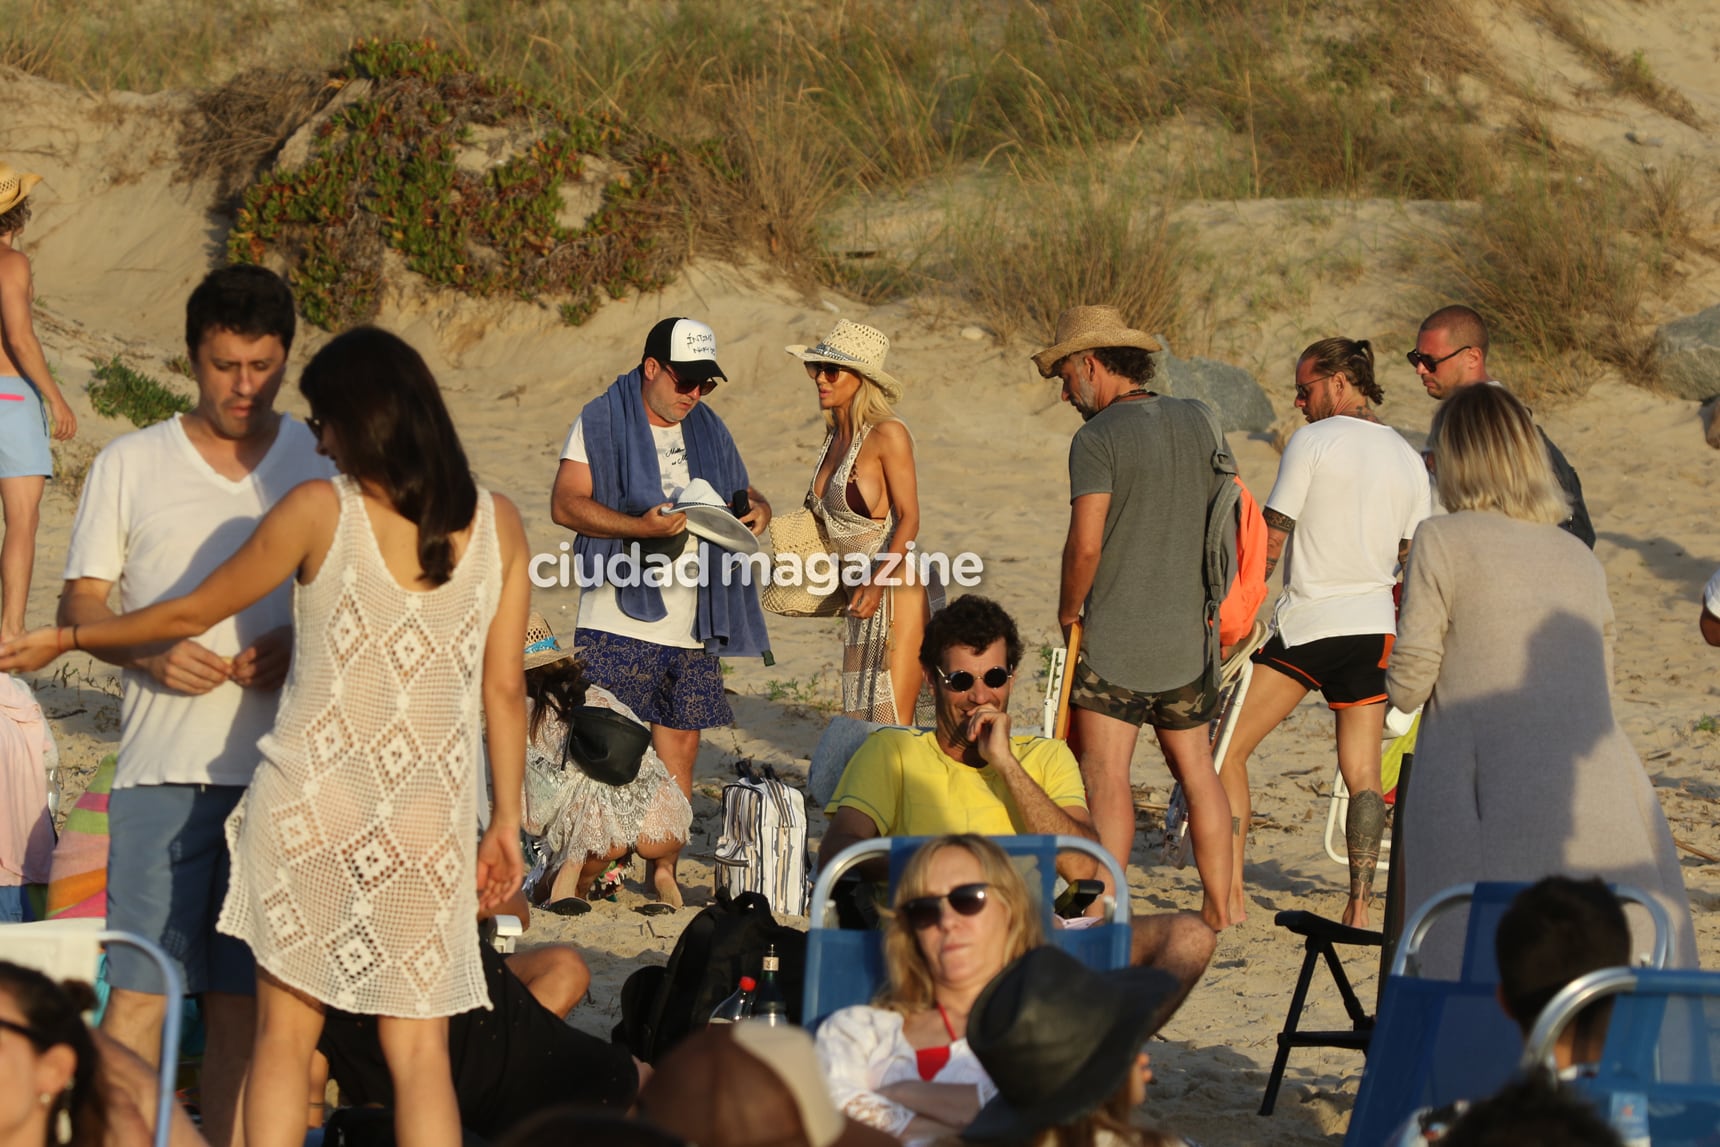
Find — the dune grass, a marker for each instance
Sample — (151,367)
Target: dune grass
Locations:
(776,115)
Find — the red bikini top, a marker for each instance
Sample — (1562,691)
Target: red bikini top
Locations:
(932,1060)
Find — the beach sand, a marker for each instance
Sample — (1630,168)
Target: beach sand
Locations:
(118,243)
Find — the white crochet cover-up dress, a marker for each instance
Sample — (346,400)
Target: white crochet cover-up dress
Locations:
(355,849)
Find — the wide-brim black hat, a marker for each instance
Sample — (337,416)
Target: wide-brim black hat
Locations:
(1058,1039)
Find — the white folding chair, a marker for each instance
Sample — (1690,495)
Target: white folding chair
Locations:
(71,949)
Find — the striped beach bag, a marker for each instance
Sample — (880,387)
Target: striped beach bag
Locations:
(763,845)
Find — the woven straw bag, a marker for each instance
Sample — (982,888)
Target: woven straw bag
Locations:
(802,534)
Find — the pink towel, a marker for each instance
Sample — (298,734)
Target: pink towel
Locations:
(26,825)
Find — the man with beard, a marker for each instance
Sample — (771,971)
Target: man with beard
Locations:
(1140,480)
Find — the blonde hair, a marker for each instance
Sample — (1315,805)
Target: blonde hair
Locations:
(1488,455)
(910,988)
(868,407)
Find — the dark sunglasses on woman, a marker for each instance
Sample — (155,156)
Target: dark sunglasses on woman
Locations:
(926,911)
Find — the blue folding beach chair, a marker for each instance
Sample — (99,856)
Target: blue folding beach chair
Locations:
(1435,1041)
(70,949)
(1657,1068)
(846,966)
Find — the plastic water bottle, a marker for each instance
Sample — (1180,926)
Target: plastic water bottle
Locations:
(738,1006)
(769,1007)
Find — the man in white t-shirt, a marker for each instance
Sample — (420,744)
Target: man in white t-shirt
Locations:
(656,643)
(161,508)
(1349,495)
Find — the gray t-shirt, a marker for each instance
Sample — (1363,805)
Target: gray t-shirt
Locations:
(1145,627)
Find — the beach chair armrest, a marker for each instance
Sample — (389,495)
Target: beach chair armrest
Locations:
(1320,928)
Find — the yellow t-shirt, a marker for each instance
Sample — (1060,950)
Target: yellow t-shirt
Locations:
(910,787)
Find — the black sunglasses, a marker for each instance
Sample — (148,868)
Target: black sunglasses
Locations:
(1417,358)
(817,370)
(35,1037)
(961,680)
(926,911)
(687,385)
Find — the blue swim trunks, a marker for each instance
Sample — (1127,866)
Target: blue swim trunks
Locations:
(23,430)
(662,684)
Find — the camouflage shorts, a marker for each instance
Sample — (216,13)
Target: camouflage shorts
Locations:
(1187,707)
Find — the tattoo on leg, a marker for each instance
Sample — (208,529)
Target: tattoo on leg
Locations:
(1363,828)
(1235,826)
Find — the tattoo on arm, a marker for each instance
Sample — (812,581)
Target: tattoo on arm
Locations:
(1363,828)
(1279,527)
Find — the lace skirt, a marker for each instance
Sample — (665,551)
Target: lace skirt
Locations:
(577,816)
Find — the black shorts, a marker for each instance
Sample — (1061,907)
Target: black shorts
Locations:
(1348,670)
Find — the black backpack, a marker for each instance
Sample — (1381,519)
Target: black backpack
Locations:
(663,1004)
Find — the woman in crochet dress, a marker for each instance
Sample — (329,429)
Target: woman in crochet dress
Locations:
(865,492)
(357,877)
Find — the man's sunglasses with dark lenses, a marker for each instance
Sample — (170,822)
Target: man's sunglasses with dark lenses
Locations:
(961,680)
(1427,361)
(688,386)
(926,911)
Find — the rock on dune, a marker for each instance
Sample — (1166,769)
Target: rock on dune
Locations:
(1229,390)
(1690,355)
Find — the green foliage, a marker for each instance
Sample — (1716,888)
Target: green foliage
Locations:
(384,173)
(118,389)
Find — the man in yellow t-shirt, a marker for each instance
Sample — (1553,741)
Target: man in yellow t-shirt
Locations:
(967,774)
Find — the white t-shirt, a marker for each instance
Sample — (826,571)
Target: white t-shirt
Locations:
(1355,489)
(598,608)
(156,519)
(1711,595)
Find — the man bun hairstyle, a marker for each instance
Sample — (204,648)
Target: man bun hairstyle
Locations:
(1352,358)
(245,299)
(973,622)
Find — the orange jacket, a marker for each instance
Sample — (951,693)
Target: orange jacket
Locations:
(1236,615)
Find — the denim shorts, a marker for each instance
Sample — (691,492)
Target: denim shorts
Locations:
(167,878)
(663,684)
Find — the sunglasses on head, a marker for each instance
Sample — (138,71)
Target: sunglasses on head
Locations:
(1428,362)
(961,680)
(687,385)
(926,911)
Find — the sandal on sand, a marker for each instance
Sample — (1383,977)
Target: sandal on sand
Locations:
(568,906)
(655,908)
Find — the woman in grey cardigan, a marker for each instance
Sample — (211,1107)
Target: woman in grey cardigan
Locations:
(1506,634)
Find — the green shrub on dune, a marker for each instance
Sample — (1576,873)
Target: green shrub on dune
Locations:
(398,168)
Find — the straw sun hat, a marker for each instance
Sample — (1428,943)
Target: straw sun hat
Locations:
(14,186)
(1084,328)
(541,646)
(858,348)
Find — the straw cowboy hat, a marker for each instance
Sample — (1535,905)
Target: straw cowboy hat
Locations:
(858,348)
(1084,328)
(541,646)
(14,185)
(1058,1039)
